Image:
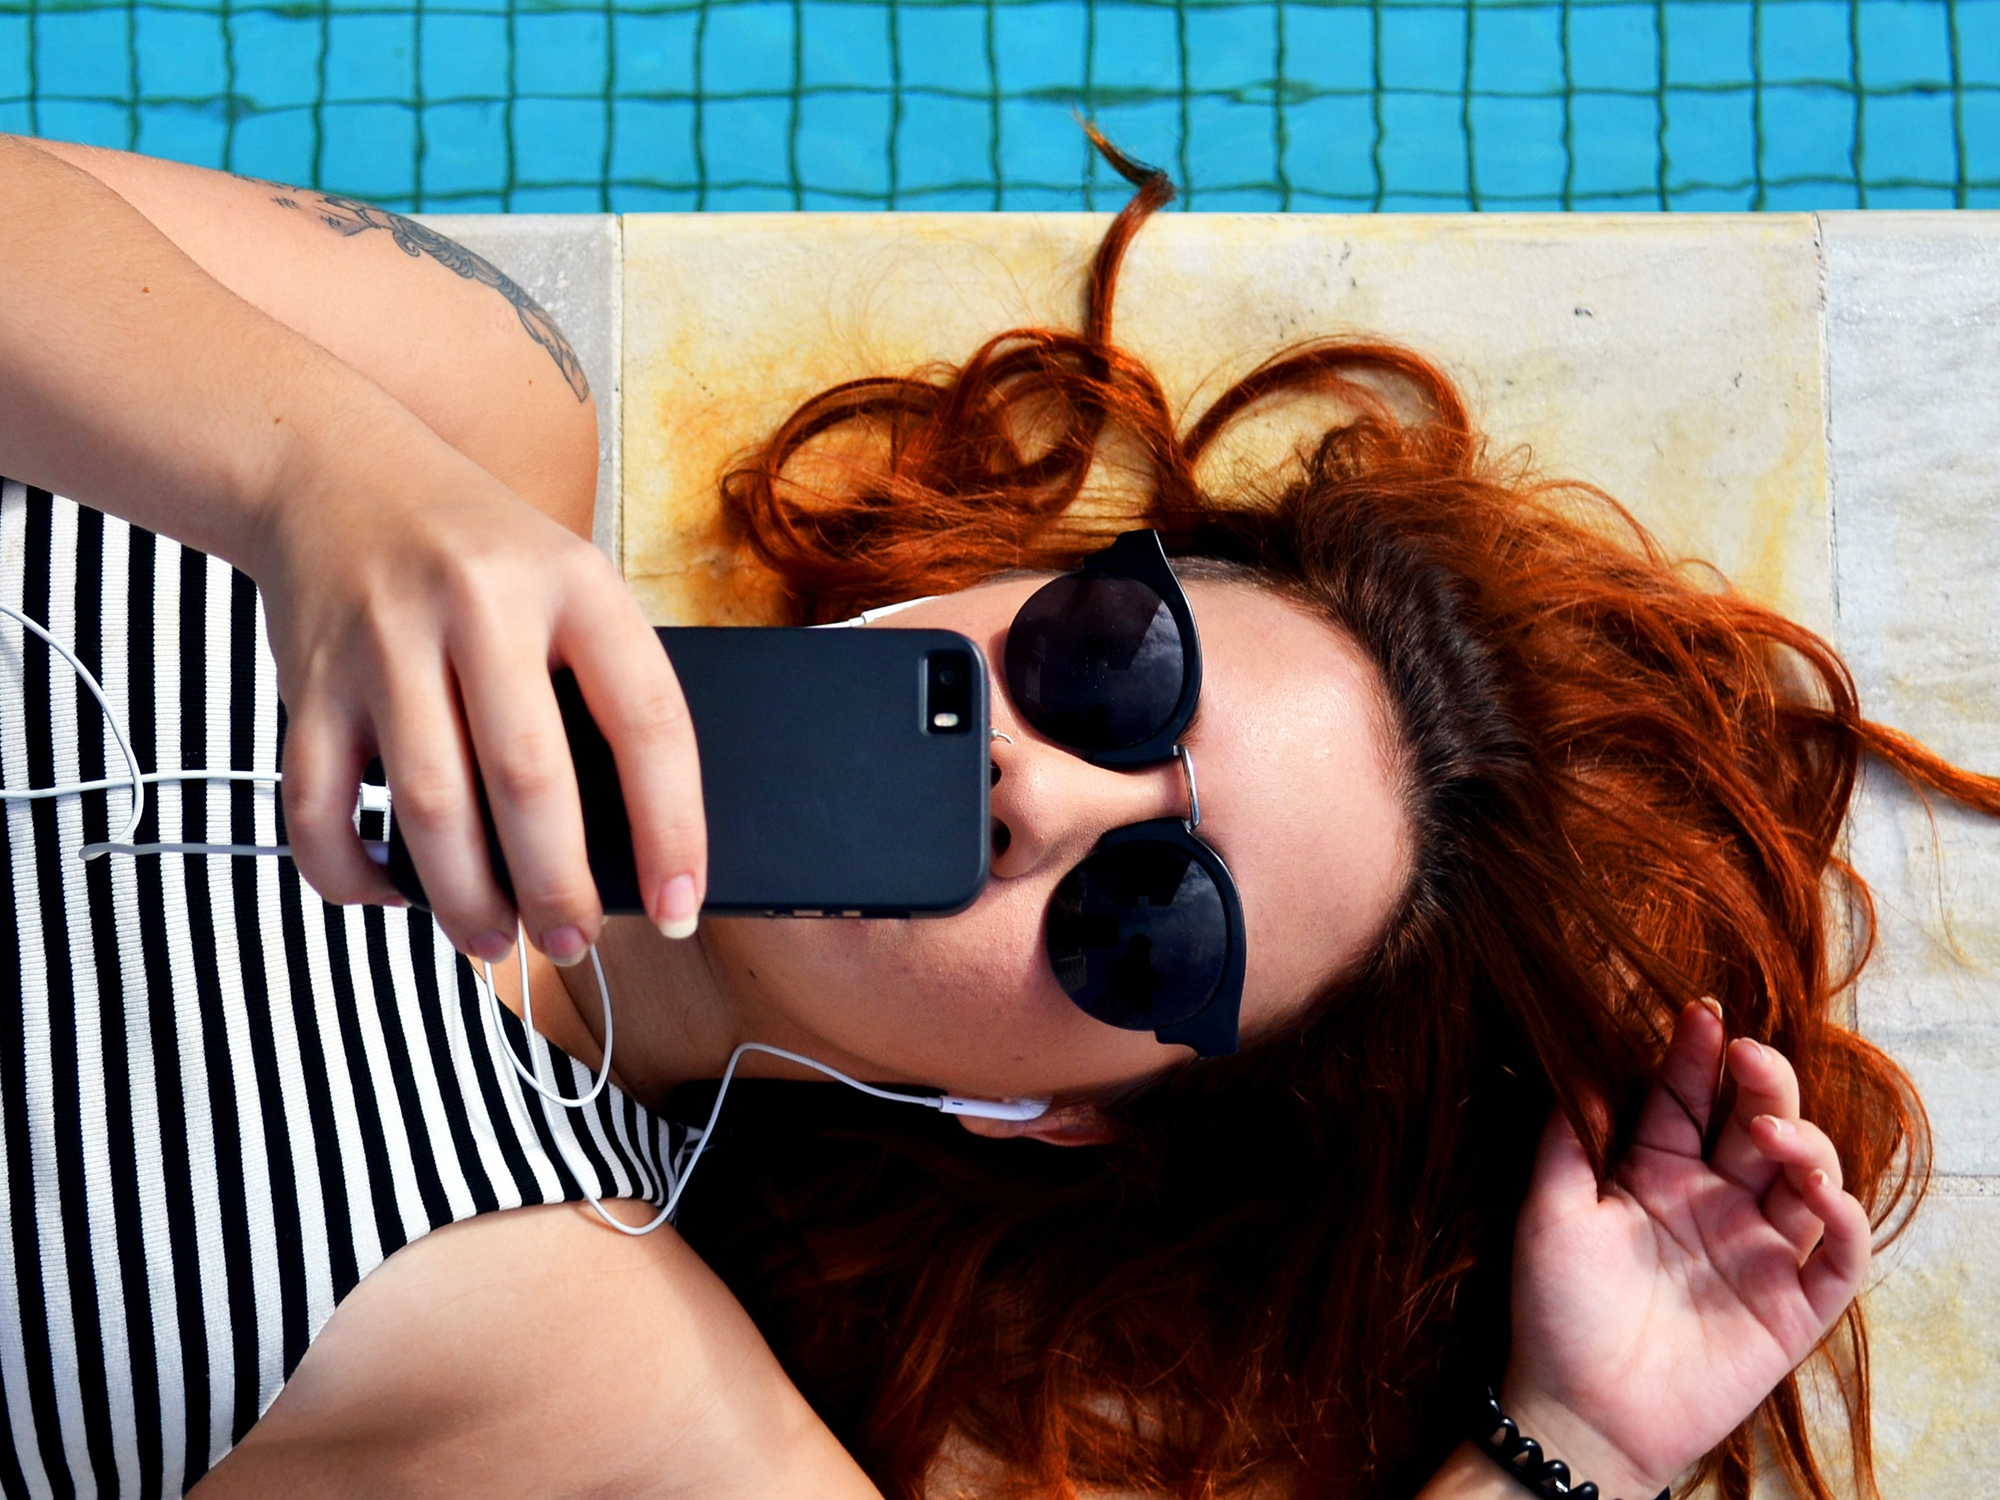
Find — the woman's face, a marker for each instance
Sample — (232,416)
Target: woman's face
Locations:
(1295,776)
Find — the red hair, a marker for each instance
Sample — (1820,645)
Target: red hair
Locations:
(1626,784)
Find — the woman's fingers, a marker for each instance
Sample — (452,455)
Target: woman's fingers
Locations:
(1800,1148)
(325,754)
(1676,1114)
(1786,1212)
(630,688)
(1833,1273)
(1765,1085)
(530,782)
(436,809)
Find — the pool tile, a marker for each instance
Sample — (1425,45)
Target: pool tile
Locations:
(1674,361)
(653,145)
(1330,147)
(1226,49)
(465,151)
(1913,335)
(844,46)
(369,152)
(943,145)
(1135,50)
(1615,48)
(746,48)
(656,52)
(1614,141)
(1518,50)
(559,142)
(940,47)
(569,264)
(1517,149)
(561,54)
(1423,153)
(1331,48)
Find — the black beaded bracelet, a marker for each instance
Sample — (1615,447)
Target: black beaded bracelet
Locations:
(1494,1431)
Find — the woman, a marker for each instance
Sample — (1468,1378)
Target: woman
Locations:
(1505,799)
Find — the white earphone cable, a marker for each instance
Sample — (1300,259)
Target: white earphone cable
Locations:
(375,799)
(530,1076)
(133,781)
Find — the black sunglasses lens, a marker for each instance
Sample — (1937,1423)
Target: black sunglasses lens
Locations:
(1094,661)
(1137,935)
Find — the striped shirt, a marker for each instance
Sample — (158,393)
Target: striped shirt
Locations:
(222,1101)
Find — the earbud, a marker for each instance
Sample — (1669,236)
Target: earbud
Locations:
(988,1109)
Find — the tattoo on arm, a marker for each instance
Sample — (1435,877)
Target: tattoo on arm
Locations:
(346,216)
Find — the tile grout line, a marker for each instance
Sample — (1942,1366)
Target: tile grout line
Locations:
(1964,1185)
(1849,918)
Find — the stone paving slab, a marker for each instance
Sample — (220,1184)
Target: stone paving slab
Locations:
(1935,1341)
(1913,346)
(569,263)
(1674,361)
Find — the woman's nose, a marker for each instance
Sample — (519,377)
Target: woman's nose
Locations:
(1050,807)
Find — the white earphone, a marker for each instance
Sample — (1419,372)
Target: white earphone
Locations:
(951,1104)
(376,799)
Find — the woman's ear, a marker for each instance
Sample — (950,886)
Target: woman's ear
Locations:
(1065,1125)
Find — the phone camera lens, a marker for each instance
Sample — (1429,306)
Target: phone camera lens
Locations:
(948,693)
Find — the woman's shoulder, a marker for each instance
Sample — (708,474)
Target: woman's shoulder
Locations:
(532,1352)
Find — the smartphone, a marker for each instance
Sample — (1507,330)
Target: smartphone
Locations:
(844,773)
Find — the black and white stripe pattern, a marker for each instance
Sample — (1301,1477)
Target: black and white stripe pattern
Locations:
(222,1102)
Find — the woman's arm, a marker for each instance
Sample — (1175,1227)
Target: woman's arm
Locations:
(443,331)
(416,604)
(1653,1314)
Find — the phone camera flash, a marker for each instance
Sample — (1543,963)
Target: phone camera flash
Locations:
(949,703)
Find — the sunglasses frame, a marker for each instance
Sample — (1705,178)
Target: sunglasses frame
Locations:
(1141,556)
(1211,1031)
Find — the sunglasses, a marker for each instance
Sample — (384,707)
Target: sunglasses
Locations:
(1147,933)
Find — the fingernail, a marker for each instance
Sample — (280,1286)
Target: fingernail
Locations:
(1713,1004)
(564,946)
(492,946)
(1816,1178)
(679,908)
(1780,1127)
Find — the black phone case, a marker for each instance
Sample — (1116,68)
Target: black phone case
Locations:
(827,790)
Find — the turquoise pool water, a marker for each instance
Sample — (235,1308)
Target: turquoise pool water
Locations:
(1255,104)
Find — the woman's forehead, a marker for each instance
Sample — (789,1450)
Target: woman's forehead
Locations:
(1298,786)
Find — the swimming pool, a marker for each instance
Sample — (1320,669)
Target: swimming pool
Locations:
(552,105)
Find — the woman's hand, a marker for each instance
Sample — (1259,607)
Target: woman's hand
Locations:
(1651,1319)
(416,604)
(416,608)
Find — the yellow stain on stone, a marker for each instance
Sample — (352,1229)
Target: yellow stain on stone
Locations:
(1673,360)
(1936,1364)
